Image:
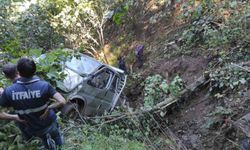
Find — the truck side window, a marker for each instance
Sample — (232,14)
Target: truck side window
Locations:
(100,80)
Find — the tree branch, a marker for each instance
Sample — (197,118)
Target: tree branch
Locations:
(242,68)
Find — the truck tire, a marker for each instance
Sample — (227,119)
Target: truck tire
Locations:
(71,110)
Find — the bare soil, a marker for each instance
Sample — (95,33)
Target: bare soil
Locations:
(187,67)
(198,129)
(192,121)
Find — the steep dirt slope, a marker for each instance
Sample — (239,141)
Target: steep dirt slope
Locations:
(203,122)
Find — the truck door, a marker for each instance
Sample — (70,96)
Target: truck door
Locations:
(97,87)
(112,91)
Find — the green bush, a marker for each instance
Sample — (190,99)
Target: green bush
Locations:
(228,77)
(209,27)
(90,138)
(50,67)
(118,16)
(156,89)
(11,139)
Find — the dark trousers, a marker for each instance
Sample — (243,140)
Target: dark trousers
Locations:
(139,60)
(53,130)
(124,68)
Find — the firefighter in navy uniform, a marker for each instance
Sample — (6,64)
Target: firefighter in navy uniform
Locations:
(29,97)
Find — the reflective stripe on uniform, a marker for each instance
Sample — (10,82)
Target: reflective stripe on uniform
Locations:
(32,110)
(31,81)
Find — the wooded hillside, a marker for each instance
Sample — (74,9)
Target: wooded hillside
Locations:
(189,90)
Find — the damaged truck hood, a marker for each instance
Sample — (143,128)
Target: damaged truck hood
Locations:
(76,70)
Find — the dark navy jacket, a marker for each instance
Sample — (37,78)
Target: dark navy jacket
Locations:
(29,98)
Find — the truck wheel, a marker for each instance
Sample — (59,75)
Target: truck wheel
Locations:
(72,110)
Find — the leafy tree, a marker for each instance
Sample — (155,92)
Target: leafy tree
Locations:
(25,25)
(8,40)
(35,30)
(82,23)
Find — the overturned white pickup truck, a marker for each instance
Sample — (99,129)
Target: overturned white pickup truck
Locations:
(91,87)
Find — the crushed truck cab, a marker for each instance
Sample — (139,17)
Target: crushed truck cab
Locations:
(91,87)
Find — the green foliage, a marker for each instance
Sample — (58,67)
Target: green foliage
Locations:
(49,66)
(12,47)
(176,86)
(141,129)
(89,138)
(215,25)
(221,111)
(8,35)
(209,123)
(4,81)
(25,28)
(195,9)
(133,79)
(194,12)
(80,22)
(35,30)
(118,16)
(217,117)
(208,34)
(156,89)
(228,77)
(145,128)
(13,140)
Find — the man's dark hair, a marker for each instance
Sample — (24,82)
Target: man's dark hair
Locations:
(26,67)
(10,71)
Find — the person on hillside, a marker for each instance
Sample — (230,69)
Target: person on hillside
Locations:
(122,64)
(11,73)
(29,97)
(139,55)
